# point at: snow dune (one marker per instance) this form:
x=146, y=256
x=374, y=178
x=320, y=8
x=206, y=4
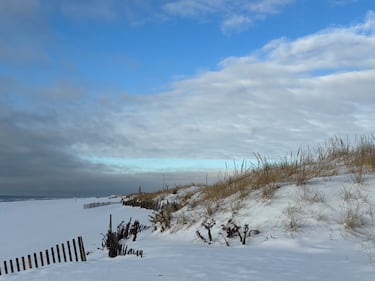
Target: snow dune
x=320, y=250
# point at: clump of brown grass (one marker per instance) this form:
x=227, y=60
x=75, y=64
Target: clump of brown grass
x=163, y=217
x=358, y=215
x=265, y=173
x=361, y=159
x=235, y=206
x=211, y=207
x=143, y=200
x=308, y=195
x=352, y=194
x=293, y=221
x=335, y=150
x=301, y=164
x=353, y=218
x=151, y=200
x=268, y=191
x=239, y=182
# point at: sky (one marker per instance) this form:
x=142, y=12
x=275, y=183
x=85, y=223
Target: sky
x=101, y=96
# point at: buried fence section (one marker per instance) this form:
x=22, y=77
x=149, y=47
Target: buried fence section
x=45, y=258
x=99, y=204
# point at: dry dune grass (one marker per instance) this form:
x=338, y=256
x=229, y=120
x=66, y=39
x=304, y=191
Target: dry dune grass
x=336, y=156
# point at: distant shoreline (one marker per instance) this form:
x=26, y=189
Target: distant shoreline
x=15, y=198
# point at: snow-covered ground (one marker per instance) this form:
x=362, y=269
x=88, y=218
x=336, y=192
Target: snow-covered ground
x=323, y=248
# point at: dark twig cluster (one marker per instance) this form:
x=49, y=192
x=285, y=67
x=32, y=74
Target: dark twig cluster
x=229, y=230
x=208, y=224
x=114, y=241
x=130, y=251
x=125, y=231
x=233, y=230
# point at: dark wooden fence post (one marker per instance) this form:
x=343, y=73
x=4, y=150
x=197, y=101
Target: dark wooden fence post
x=63, y=250
x=47, y=257
x=35, y=261
x=75, y=249
x=5, y=267
x=69, y=251
x=53, y=255
x=58, y=253
x=29, y=260
x=41, y=258
x=110, y=223
x=23, y=263
x=81, y=248
x=11, y=266
x=17, y=264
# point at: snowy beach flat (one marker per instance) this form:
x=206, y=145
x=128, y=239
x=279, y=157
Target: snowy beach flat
x=319, y=251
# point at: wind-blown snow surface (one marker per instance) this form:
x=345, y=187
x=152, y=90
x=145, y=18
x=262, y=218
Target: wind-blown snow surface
x=316, y=252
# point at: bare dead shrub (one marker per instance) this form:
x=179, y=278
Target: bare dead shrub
x=293, y=218
x=353, y=218
x=311, y=196
x=207, y=224
x=113, y=241
x=357, y=174
x=162, y=218
x=347, y=194
x=211, y=207
x=232, y=230
x=235, y=206
x=353, y=195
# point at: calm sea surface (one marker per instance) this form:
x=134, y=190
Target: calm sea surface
x=11, y=198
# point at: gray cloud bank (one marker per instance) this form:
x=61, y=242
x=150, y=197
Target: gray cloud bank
x=287, y=94
x=37, y=157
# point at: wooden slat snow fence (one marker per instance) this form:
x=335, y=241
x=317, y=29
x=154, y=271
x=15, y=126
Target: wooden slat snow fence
x=98, y=204
x=60, y=253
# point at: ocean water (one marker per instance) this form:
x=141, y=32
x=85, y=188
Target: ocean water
x=12, y=198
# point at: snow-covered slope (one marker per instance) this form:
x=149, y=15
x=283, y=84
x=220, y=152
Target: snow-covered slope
x=322, y=231
x=330, y=206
